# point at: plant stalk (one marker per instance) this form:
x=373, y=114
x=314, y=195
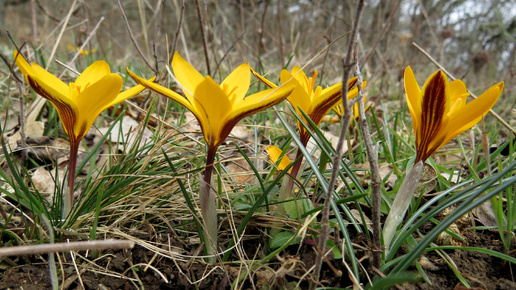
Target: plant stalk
x=72, y=165
x=208, y=208
x=286, y=189
x=401, y=203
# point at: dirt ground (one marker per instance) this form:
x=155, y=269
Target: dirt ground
x=114, y=270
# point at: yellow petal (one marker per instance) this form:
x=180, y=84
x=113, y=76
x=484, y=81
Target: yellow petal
x=186, y=74
x=298, y=75
x=274, y=154
x=92, y=74
x=466, y=117
x=237, y=83
x=162, y=90
x=259, y=101
x=299, y=98
x=212, y=107
x=263, y=79
x=129, y=93
x=22, y=64
x=54, y=86
x=253, y=104
x=413, y=95
x=95, y=99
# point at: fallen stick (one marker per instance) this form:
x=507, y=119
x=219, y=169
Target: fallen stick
x=65, y=247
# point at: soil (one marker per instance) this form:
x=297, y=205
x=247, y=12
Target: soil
x=114, y=270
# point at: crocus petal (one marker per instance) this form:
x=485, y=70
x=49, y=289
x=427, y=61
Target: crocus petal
x=95, y=99
x=466, y=117
x=298, y=75
x=162, y=90
x=328, y=98
x=46, y=81
x=413, y=95
x=212, y=107
x=92, y=74
x=253, y=104
x=263, y=79
x=64, y=106
x=22, y=63
x=128, y=93
x=186, y=74
x=433, y=107
x=49, y=88
x=259, y=101
x=275, y=153
x=237, y=83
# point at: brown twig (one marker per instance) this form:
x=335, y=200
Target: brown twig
x=347, y=67
x=205, y=45
x=176, y=36
x=34, y=21
x=227, y=52
x=65, y=247
x=372, y=155
x=386, y=25
x=132, y=37
x=261, y=47
x=454, y=78
x=328, y=38
x=280, y=35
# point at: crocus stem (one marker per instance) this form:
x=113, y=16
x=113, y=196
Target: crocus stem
x=285, y=194
x=208, y=208
x=286, y=190
x=401, y=203
x=72, y=164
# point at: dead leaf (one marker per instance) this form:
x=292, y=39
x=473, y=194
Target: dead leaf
x=44, y=182
x=384, y=170
x=428, y=180
x=128, y=133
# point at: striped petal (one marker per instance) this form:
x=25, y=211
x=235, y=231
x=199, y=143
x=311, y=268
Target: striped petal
x=433, y=107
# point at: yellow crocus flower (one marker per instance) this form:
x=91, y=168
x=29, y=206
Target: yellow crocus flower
x=218, y=108
x=440, y=112
x=78, y=103
x=314, y=101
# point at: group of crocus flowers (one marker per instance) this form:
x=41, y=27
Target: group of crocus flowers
x=439, y=111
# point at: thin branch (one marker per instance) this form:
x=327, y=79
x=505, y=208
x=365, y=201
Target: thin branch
x=347, y=67
x=372, y=155
x=133, y=39
x=386, y=25
x=205, y=45
x=176, y=36
x=470, y=93
x=65, y=247
x=227, y=52
x=86, y=41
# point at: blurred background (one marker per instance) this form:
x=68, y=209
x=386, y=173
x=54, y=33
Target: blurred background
x=473, y=40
